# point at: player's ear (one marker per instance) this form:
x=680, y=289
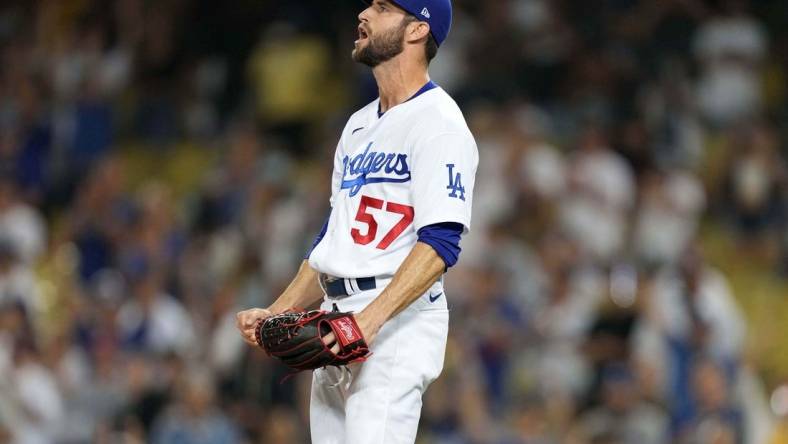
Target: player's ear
x=417, y=30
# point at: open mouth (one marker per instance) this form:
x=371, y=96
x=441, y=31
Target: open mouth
x=362, y=34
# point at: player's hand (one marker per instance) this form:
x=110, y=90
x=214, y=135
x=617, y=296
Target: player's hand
x=246, y=321
x=331, y=341
x=367, y=331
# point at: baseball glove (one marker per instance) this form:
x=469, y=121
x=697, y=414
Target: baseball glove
x=296, y=338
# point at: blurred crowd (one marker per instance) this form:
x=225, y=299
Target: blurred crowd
x=584, y=307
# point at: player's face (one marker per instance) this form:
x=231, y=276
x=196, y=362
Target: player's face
x=381, y=34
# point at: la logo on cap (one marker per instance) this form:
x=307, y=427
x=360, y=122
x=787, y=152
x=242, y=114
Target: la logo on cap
x=425, y=12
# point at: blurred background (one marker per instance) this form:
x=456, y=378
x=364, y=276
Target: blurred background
x=164, y=164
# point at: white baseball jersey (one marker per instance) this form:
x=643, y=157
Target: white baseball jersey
x=394, y=174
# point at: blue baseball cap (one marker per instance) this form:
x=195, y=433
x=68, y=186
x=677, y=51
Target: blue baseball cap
x=435, y=12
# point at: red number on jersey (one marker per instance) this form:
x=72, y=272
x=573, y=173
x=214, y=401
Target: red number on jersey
x=364, y=217
x=407, y=217
x=372, y=225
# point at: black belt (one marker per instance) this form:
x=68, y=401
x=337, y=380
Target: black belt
x=343, y=287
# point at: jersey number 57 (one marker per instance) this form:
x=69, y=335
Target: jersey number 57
x=372, y=225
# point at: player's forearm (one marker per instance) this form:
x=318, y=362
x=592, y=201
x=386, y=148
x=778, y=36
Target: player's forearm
x=303, y=291
x=415, y=276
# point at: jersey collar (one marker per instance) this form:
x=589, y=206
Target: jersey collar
x=427, y=86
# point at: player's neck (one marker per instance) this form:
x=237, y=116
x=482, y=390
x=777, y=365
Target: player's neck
x=398, y=80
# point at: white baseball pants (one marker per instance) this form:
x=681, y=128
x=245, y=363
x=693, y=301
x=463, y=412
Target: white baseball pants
x=379, y=401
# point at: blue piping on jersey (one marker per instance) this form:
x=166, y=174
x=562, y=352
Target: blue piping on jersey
x=427, y=86
x=319, y=237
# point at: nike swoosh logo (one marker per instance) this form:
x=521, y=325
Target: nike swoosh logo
x=436, y=297
x=356, y=130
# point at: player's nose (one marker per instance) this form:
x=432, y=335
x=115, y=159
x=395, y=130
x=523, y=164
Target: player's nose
x=362, y=16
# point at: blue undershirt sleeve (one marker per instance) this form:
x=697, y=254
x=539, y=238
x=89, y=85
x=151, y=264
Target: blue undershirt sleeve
x=444, y=238
x=318, y=238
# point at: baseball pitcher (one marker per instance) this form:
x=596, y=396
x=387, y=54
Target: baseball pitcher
x=401, y=195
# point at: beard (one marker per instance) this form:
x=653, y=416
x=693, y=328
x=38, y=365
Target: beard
x=381, y=48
